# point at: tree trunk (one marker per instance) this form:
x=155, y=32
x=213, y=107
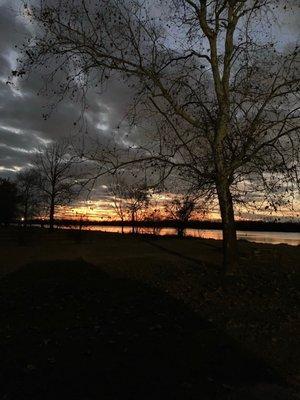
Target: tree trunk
x=228, y=226
x=51, y=215
x=26, y=214
x=132, y=222
x=180, y=230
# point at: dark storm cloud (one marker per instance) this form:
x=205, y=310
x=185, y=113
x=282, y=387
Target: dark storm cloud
x=23, y=103
x=12, y=158
x=27, y=141
x=22, y=127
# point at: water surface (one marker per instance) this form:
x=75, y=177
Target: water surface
x=290, y=238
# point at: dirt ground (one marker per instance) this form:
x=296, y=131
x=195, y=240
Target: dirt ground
x=224, y=337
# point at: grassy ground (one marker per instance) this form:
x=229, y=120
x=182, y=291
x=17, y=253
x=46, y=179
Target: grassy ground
x=145, y=318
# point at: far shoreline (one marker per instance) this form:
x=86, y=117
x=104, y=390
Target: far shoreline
x=259, y=226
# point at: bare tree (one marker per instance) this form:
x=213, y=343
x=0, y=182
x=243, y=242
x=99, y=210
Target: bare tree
x=129, y=200
x=116, y=191
x=225, y=97
x=30, y=202
x=155, y=217
x=136, y=200
x=182, y=208
x=58, y=182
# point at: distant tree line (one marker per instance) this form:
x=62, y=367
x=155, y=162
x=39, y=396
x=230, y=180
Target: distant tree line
x=49, y=181
x=56, y=176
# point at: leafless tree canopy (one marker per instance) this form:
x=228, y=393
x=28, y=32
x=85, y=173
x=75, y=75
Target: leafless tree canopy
x=129, y=200
x=182, y=208
x=57, y=181
x=30, y=197
x=222, y=99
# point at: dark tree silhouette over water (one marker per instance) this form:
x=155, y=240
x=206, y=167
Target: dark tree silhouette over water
x=223, y=97
x=128, y=200
x=182, y=209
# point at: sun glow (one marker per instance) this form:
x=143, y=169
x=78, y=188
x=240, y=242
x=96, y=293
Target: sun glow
x=103, y=210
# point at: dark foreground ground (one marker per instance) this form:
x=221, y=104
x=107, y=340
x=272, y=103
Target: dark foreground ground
x=110, y=317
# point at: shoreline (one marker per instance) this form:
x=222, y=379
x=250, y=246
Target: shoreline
x=242, y=235
x=193, y=224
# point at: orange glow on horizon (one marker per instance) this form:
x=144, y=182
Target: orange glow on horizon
x=102, y=210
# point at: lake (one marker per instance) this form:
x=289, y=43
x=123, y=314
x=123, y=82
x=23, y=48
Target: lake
x=290, y=238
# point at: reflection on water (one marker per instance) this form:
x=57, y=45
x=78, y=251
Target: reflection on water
x=291, y=238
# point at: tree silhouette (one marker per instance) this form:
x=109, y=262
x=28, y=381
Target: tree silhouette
x=30, y=197
x=223, y=96
x=57, y=180
x=128, y=200
x=116, y=192
x=182, y=208
x=8, y=201
x=136, y=199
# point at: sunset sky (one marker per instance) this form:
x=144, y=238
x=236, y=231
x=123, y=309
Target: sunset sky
x=22, y=104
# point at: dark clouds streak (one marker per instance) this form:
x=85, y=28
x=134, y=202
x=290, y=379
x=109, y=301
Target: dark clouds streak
x=23, y=101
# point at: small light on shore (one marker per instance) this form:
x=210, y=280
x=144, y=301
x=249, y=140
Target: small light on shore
x=22, y=219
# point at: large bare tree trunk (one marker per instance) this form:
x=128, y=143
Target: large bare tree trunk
x=228, y=226
x=51, y=215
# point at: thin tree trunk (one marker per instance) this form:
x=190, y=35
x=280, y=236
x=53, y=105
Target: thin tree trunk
x=228, y=226
x=51, y=215
x=132, y=222
x=26, y=214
